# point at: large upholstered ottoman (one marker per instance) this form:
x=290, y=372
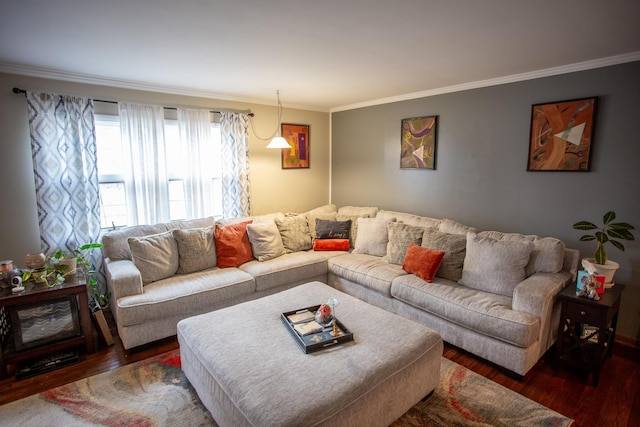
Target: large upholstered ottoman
x=248, y=371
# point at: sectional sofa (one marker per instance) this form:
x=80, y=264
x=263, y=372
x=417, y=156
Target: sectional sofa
x=488, y=292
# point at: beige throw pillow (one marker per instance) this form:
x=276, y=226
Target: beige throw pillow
x=156, y=256
x=265, y=239
x=196, y=249
x=400, y=236
x=373, y=237
x=547, y=255
x=495, y=266
x=294, y=232
x=353, y=234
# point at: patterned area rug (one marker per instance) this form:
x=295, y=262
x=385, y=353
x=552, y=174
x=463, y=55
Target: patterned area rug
x=155, y=392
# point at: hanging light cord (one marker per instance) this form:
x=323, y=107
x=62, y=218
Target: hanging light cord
x=277, y=131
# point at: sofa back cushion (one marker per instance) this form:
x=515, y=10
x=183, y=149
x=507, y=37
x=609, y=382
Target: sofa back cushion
x=454, y=227
x=418, y=221
x=196, y=249
x=455, y=248
x=358, y=211
x=373, y=236
x=547, y=255
x=115, y=245
x=495, y=266
x=294, y=232
x=400, y=236
x=233, y=247
x=265, y=239
x=156, y=256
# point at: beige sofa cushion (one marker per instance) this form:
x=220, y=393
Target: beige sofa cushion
x=358, y=211
x=495, y=266
x=265, y=239
x=400, y=236
x=196, y=249
x=294, y=232
x=418, y=221
x=454, y=227
x=156, y=256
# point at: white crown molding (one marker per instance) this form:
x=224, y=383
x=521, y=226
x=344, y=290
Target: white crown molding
x=580, y=66
x=46, y=73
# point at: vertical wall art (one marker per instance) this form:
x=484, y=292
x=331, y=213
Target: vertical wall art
x=561, y=135
x=297, y=157
x=418, y=143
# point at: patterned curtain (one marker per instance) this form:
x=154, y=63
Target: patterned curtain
x=63, y=145
x=196, y=142
x=236, y=201
x=142, y=132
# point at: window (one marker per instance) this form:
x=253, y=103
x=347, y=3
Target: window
x=112, y=171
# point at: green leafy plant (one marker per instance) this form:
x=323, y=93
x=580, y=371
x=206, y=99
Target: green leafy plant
x=83, y=259
x=56, y=272
x=607, y=233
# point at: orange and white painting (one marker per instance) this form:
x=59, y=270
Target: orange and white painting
x=561, y=135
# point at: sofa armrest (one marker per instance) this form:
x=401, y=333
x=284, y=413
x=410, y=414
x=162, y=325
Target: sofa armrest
x=123, y=278
x=536, y=295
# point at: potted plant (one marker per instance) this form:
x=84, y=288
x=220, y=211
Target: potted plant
x=605, y=234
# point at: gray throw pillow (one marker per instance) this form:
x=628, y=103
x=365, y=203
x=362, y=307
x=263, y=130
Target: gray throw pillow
x=495, y=266
x=454, y=247
x=196, y=249
x=313, y=217
x=328, y=229
x=400, y=236
x=156, y=256
x=294, y=232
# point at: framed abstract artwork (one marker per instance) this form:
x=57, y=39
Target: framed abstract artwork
x=561, y=135
x=296, y=157
x=418, y=143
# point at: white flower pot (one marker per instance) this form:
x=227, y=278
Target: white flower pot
x=607, y=270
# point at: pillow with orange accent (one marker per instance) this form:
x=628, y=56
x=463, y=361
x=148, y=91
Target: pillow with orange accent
x=233, y=246
x=423, y=262
x=331, y=245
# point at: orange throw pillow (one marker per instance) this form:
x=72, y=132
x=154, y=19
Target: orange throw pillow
x=423, y=262
x=233, y=247
x=331, y=245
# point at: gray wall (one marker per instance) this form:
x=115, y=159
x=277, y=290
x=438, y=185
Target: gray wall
x=481, y=177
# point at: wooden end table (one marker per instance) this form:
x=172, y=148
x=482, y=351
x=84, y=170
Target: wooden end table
x=587, y=329
x=38, y=292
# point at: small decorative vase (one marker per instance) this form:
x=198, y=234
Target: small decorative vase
x=33, y=261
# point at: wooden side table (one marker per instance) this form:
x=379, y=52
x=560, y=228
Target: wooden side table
x=40, y=293
x=587, y=329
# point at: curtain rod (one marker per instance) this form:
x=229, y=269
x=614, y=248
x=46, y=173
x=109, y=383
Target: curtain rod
x=18, y=91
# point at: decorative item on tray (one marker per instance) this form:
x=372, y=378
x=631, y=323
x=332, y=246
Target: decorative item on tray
x=317, y=327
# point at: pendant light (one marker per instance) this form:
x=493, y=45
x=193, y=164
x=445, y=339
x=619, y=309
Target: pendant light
x=279, y=141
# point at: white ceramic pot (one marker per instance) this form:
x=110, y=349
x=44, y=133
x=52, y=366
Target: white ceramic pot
x=607, y=270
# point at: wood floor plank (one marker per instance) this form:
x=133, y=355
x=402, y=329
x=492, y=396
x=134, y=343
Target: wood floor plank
x=615, y=402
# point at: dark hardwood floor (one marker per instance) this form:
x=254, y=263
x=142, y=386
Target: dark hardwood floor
x=615, y=402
